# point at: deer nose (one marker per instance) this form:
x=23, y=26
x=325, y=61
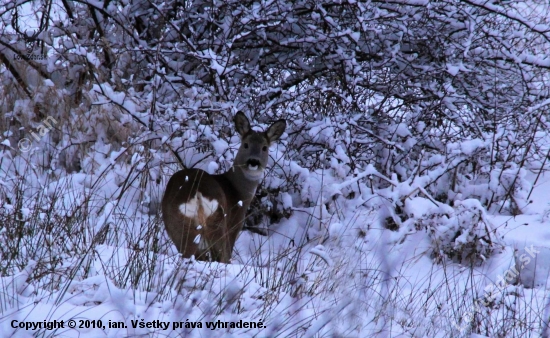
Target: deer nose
x=253, y=162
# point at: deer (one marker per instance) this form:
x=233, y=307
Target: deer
x=203, y=213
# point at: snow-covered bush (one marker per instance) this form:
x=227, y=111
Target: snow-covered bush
x=463, y=233
x=387, y=102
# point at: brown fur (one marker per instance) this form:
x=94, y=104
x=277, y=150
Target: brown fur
x=220, y=229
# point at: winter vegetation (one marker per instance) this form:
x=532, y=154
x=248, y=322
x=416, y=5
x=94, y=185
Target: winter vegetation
x=407, y=196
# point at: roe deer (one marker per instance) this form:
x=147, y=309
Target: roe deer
x=204, y=213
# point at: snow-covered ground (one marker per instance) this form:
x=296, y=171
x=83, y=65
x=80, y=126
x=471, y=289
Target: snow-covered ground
x=397, y=203
x=317, y=274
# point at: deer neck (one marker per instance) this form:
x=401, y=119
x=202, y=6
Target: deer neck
x=245, y=188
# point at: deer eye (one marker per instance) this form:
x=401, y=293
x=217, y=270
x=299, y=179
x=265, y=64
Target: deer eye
x=264, y=148
x=246, y=145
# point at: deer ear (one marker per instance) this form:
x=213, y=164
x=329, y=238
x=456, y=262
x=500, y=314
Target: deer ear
x=241, y=123
x=275, y=131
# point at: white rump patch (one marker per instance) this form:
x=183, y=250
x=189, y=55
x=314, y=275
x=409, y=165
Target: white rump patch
x=191, y=208
x=210, y=206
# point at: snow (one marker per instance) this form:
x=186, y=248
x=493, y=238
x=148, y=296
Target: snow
x=347, y=268
x=397, y=204
x=287, y=200
x=452, y=69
